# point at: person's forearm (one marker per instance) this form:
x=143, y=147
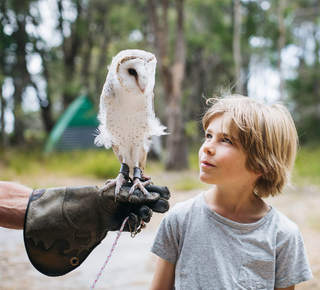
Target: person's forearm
x=14, y=199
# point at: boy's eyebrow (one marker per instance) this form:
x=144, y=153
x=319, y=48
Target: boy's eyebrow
x=224, y=134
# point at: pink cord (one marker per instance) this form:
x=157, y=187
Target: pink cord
x=110, y=253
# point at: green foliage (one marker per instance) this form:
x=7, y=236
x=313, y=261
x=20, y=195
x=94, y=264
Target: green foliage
x=93, y=31
x=305, y=91
x=98, y=163
x=193, y=157
x=307, y=166
x=191, y=128
x=102, y=164
x=92, y=163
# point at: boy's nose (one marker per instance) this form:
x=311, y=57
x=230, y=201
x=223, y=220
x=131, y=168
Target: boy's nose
x=209, y=149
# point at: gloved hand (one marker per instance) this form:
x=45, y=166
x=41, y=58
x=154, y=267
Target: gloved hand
x=63, y=225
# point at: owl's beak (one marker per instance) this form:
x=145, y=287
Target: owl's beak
x=142, y=83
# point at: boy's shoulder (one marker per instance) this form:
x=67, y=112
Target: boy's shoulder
x=283, y=224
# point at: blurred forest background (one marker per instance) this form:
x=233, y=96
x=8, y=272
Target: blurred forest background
x=54, y=50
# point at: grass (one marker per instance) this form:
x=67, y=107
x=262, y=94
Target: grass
x=91, y=163
x=307, y=166
x=103, y=164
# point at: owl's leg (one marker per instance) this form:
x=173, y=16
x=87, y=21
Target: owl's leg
x=138, y=183
x=119, y=181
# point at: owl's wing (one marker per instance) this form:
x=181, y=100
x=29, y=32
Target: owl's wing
x=151, y=105
x=103, y=137
x=155, y=126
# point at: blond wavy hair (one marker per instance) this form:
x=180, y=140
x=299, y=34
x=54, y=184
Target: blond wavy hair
x=267, y=135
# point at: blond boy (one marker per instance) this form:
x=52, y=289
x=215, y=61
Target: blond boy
x=228, y=237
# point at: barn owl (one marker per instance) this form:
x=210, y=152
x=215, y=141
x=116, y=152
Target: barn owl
x=126, y=115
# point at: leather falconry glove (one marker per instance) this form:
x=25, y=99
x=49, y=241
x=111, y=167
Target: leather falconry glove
x=63, y=225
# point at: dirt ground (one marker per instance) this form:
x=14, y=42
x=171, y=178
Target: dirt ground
x=131, y=266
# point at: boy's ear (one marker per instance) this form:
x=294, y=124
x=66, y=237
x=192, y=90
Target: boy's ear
x=260, y=174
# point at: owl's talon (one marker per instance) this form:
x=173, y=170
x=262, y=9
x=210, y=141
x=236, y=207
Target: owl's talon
x=118, y=182
x=110, y=183
x=138, y=184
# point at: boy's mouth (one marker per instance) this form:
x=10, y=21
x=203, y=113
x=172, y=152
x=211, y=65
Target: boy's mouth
x=205, y=163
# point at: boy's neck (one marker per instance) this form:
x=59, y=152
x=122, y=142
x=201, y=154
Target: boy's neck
x=241, y=207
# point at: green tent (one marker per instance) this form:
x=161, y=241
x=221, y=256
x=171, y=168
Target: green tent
x=75, y=129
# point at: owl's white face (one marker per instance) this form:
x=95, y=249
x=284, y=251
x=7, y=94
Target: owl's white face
x=137, y=73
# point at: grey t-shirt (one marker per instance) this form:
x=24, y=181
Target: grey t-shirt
x=212, y=252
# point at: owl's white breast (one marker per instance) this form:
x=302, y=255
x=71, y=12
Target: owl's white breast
x=127, y=122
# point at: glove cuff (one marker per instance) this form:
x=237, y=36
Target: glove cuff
x=54, y=242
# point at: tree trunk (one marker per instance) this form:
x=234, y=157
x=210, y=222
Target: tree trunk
x=18, y=113
x=71, y=47
x=4, y=137
x=281, y=43
x=176, y=141
x=237, y=45
x=46, y=105
x=103, y=38
x=315, y=83
x=172, y=75
x=20, y=81
x=47, y=117
x=160, y=31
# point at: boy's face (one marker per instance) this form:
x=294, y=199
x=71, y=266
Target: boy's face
x=221, y=161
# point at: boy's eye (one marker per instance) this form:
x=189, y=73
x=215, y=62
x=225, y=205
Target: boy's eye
x=207, y=136
x=227, y=140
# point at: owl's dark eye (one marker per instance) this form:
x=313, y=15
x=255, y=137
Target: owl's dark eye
x=132, y=71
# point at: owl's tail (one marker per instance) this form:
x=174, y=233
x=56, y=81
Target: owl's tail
x=156, y=128
x=102, y=138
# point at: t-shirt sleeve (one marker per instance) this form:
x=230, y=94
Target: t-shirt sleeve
x=166, y=242
x=292, y=266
